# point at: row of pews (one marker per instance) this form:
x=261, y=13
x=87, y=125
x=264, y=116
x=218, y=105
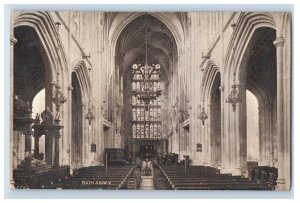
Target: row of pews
x=159, y=179
x=134, y=180
x=99, y=177
x=206, y=178
x=264, y=174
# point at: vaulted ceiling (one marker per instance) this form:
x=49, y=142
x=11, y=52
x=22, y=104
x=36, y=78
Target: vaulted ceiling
x=29, y=72
x=262, y=62
x=131, y=45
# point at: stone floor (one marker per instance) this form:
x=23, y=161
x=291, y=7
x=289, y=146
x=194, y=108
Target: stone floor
x=147, y=183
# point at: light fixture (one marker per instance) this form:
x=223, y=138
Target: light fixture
x=57, y=24
x=59, y=99
x=148, y=90
x=201, y=113
x=207, y=56
x=87, y=57
x=234, y=96
x=21, y=109
x=90, y=116
x=233, y=24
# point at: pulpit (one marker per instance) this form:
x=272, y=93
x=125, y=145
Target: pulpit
x=22, y=123
x=50, y=128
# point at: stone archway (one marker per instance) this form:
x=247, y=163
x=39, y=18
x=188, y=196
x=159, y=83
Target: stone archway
x=213, y=130
x=215, y=121
x=130, y=49
x=77, y=124
x=239, y=59
x=31, y=74
x=35, y=33
x=50, y=44
x=81, y=136
x=259, y=76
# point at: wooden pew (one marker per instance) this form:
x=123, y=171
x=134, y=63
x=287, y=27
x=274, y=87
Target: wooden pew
x=160, y=182
x=264, y=174
x=115, y=177
x=208, y=178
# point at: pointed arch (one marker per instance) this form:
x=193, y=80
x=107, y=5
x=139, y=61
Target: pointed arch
x=209, y=74
x=246, y=25
x=81, y=72
x=44, y=25
x=175, y=28
x=243, y=67
x=211, y=82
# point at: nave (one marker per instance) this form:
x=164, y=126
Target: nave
x=204, y=96
x=153, y=176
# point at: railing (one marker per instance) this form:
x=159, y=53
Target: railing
x=124, y=182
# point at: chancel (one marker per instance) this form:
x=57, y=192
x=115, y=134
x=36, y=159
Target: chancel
x=164, y=100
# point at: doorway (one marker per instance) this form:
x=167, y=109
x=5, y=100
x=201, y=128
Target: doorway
x=147, y=151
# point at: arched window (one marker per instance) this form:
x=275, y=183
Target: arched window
x=146, y=118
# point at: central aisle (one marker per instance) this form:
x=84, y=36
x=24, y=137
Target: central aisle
x=147, y=182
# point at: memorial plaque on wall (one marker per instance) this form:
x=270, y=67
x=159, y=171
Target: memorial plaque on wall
x=93, y=147
x=199, y=147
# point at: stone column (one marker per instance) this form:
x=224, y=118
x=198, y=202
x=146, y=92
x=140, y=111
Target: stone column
x=56, y=149
x=67, y=139
x=48, y=148
x=279, y=43
x=270, y=135
x=85, y=145
x=234, y=154
x=13, y=41
x=170, y=150
x=265, y=129
x=48, y=134
x=28, y=133
x=37, y=136
x=165, y=146
x=227, y=117
x=241, y=133
x=261, y=134
x=207, y=144
x=234, y=141
x=222, y=124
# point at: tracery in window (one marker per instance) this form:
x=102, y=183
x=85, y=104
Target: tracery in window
x=146, y=117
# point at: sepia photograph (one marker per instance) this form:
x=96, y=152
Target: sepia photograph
x=150, y=100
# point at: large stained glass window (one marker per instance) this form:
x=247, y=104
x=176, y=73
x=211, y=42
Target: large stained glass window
x=146, y=118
